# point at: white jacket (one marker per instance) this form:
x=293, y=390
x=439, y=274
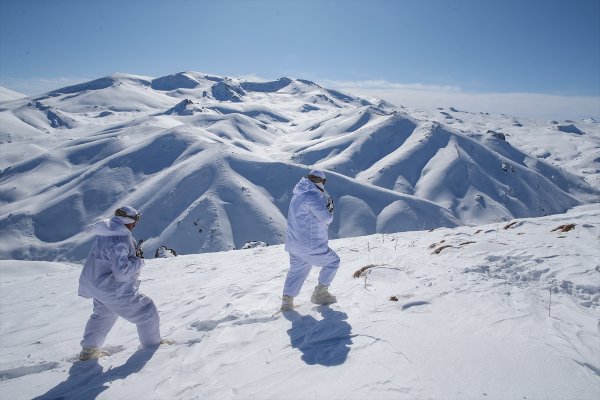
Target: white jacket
x=111, y=268
x=308, y=220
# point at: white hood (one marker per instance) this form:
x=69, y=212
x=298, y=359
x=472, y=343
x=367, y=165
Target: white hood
x=110, y=227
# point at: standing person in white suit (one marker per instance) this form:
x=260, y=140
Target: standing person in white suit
x=110, y=278
x=309, y=216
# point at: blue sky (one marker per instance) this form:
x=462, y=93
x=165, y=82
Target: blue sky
x=468, y=47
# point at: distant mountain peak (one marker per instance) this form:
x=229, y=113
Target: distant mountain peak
x=185, y=107
x=181, y=80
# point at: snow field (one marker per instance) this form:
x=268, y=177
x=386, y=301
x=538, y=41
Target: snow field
x=499, y=313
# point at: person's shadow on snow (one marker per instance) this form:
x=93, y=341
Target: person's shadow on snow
x=325, y=342
x=87, y=379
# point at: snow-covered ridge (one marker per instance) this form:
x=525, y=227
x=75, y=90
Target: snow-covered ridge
x=9, y=95
x=501, y=311
x=211, y=162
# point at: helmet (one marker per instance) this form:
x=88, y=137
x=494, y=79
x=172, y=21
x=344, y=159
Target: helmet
x=317, y=176
x=127, y=214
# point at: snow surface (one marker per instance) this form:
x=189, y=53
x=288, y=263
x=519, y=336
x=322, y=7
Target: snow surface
x=211, y=162
x=507, y=310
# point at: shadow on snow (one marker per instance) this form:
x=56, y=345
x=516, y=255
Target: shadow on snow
x=324, y=342
x=87, y=379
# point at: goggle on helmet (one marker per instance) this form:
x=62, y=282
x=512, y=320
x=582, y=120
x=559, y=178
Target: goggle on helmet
x=122, y=213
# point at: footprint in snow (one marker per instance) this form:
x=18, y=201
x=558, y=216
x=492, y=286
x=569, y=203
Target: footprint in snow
x=412, y=304
x=27, y=370
x=209, y=325
x=109, y=350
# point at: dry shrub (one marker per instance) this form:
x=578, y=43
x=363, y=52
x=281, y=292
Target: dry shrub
x=435, y=244
x=393, y=298
x=510, y=225
x=564, y=228
x=439, y=249
x=359, y=272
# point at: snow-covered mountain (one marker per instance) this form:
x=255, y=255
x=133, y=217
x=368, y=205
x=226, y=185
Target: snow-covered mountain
x=504, y=309
x=500, y=311
x=211, y=162
x=8, y=95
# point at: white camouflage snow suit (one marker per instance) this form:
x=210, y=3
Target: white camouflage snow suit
x=307, y=238
x=110, y=277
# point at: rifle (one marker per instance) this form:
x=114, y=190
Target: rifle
x=139, y=252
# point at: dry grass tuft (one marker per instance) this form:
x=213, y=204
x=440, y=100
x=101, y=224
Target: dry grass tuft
x=564, y=228
x=393, y=298
x=431, y=246
x=360, y=272
x=439, y=249
x=510, y=225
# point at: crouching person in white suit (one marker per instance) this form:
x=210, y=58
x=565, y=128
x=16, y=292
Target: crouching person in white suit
x=309, y=216
x=110, y=278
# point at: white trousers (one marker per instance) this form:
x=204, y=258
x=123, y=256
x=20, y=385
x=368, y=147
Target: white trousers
x=300, y=266
x=137, y=309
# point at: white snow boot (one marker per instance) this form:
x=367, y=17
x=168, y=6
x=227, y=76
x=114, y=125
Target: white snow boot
x=322, y=296
x=92, y=352
x=287, y=303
